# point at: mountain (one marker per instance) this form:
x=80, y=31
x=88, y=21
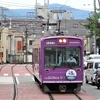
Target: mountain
x=23, y=13
x=76, y=13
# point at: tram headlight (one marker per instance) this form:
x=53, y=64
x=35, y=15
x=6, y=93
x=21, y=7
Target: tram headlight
x=62, y=41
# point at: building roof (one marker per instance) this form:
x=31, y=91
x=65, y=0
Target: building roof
x=12, y=32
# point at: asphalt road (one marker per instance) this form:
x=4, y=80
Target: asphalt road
x=91, y=89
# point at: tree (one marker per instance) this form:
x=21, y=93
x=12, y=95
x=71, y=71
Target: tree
x=91, y=25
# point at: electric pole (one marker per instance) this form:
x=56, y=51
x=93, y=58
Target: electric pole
x=26, y=43
x=2, y=13
x=95, y=48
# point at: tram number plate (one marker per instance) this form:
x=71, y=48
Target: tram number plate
x=62, y=90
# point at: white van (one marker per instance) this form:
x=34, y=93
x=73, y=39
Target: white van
x=93, y=56
x=92, y=65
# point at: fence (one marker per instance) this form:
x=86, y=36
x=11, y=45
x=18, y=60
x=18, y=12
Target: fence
x=17, y=59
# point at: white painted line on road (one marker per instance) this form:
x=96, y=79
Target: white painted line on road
x=6, y=80
x=33, y=79
x=17, y=80
x=5, y=74
x=16, y=74
x=27, y=74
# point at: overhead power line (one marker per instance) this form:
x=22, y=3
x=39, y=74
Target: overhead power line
x=15, y=4
x=63, y=5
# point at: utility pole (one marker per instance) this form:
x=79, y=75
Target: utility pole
x=48, y=23
x=59, y=31
x=36, y=9
x=59, y=27
x=2, y=13
x=99, y=4
x=95, y=48
x=26, y=44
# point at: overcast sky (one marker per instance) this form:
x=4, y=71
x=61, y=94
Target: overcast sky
x=81, y=4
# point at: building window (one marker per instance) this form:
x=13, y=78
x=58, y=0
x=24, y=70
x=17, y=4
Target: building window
x=75, y=25
x=30, y=42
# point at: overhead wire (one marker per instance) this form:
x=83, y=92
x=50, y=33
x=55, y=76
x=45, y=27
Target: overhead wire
x=15, y=4
x=63, y=5
x=26, y=5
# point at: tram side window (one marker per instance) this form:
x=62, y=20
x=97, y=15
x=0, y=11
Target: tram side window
x=36, y=55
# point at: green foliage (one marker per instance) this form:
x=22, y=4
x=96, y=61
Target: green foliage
x=91, y=25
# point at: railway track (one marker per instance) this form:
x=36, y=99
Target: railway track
x=15, y=96
x=77, y=96
x=2, y=67
x=32, y=89
x=51, y=97
x=14, y=85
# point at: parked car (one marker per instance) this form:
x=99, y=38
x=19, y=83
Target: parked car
x=93, y=56
x=85, y=62
x=92, y=65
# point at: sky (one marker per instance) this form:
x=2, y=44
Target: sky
x=80, y=4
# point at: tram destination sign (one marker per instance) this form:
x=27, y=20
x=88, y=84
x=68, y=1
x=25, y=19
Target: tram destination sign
x=50, y=42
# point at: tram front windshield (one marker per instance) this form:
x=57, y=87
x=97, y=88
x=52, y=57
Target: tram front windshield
x=57, y=57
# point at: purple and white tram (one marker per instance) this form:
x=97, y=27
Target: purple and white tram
x=54, y=73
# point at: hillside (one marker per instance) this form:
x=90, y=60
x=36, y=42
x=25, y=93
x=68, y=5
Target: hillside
x=22, y=13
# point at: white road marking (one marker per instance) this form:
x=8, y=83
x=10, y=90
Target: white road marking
x=6, y=80
x=33, y=79
x=16, y=74
x=27, y=74
x=5, y=74
x=17, y=80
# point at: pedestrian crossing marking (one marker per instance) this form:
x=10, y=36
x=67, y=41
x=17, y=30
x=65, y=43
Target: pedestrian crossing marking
x=6, y=80
x=5, y=74
x=27, y=74
x=17, y=80
x=16, y=74
x=33, y=79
